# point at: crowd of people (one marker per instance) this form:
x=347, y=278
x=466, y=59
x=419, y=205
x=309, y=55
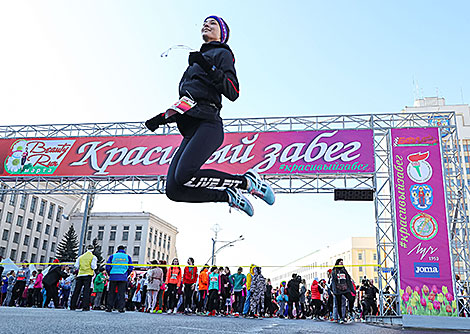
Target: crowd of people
x=175, y=288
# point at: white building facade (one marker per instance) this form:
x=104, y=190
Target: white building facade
x=145, y=236
x=31, y=226
x=358, y=253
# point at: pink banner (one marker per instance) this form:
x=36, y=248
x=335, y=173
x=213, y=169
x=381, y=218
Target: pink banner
x=424, y=262
x=306, y=152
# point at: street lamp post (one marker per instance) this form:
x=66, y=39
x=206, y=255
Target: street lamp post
x=216, y=230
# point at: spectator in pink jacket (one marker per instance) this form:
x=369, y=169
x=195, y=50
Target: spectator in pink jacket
x=37, y=297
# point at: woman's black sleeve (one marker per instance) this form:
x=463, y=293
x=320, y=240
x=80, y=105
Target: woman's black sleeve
x=224, y=77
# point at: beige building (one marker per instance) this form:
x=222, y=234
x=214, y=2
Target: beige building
x=146, y=236
x=31, y=226
x=359, y=255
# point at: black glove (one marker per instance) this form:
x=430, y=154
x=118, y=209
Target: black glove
x=198, y=58
x=153, y=123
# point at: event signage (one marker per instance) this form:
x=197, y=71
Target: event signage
x=304, y=152
x=424, y=260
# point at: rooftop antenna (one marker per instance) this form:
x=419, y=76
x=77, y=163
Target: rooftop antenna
x=461, y=95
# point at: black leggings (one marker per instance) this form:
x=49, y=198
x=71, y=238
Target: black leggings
x=339, y=305
x=186, y=181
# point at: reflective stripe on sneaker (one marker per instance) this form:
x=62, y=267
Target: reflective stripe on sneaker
x=238, y=201
x=259, y=188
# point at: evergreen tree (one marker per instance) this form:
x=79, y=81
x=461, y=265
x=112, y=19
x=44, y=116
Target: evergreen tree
x=67, y=250
x=97, y=251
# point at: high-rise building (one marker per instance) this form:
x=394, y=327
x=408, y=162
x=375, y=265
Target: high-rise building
x=31, y=226
x=146, y=236
x=358, y=253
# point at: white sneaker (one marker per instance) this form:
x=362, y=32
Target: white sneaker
x=169, y=311
x=175, y=311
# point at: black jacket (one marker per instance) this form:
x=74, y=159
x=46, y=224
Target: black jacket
x=207, y=88
x=53, y=276
x=293, y=290
x=341, y=281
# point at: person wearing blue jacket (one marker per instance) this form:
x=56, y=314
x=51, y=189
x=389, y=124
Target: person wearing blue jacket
x=119, y=266
x=238, y=280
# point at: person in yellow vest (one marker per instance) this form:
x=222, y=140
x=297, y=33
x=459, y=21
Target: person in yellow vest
x=86, y=264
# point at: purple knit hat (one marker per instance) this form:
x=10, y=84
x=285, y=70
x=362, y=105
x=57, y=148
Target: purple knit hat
x=224, y=30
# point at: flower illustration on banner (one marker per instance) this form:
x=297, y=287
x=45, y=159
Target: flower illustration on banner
x=438, y=302
x=421, y=196
x=423, y=226
x=419, y=170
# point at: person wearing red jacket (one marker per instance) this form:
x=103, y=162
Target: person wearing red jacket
x=317, y=290
x=173, y=282
x=189, y=279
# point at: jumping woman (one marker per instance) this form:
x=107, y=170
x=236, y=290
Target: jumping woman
x=210, y=74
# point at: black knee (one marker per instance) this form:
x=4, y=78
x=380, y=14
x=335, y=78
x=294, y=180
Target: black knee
x=182, y=177
x=173, y=193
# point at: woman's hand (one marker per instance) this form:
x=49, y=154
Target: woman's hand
x=198, y=58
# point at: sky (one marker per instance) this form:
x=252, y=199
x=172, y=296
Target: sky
x=99, y=61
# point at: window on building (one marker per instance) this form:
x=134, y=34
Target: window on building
x=19, y=221
x=5, y=235
x=376, y=280
x=110, y=250
x=2, y=251
x=56, y=231
x=148, y=252
x=360, y=269
x=164, y=241
x=375, y=256
x=100, y=232
x=48, y=229
x=51, y=259
x=359, y=256
x=50, y=214
x=43, y=259
x=466, y=158
x=9, y=218
x=138, y=233
x=136, y=250
x=167, y=258
x=13, y=255
x=150, y=236
x=160, y=240
x=42, y=208
x=26, y=240
x=44, y=245
x=38, y=227
x=33, y=258
x=13, y=199
x=375, y=269
x=36, y=243
x=23, y=256
x=155, y=238
x=125, y=233
x=16, y=237
x=29, y=225
x=153, y=254
x=3, y=195
x=90, y=229
x=112, y=235
x=34, y=201
x=169, y=238
x=52, y=246
x=158, y=256
x=60, y=211
x=24, y=200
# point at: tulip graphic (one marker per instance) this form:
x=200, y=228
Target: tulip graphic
x=444, y=290
x=409, y=310
x=432, y=296
x=408, y=290
x=430, y=306
x=454, y=304
x=440, y=297
x=449, y=296
x=425, y=289
x=434, y=289
x=418, y=290
x=405, y=297
x=413, y=302
x=448, y=309
x=423, y=302
x=437, y=305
